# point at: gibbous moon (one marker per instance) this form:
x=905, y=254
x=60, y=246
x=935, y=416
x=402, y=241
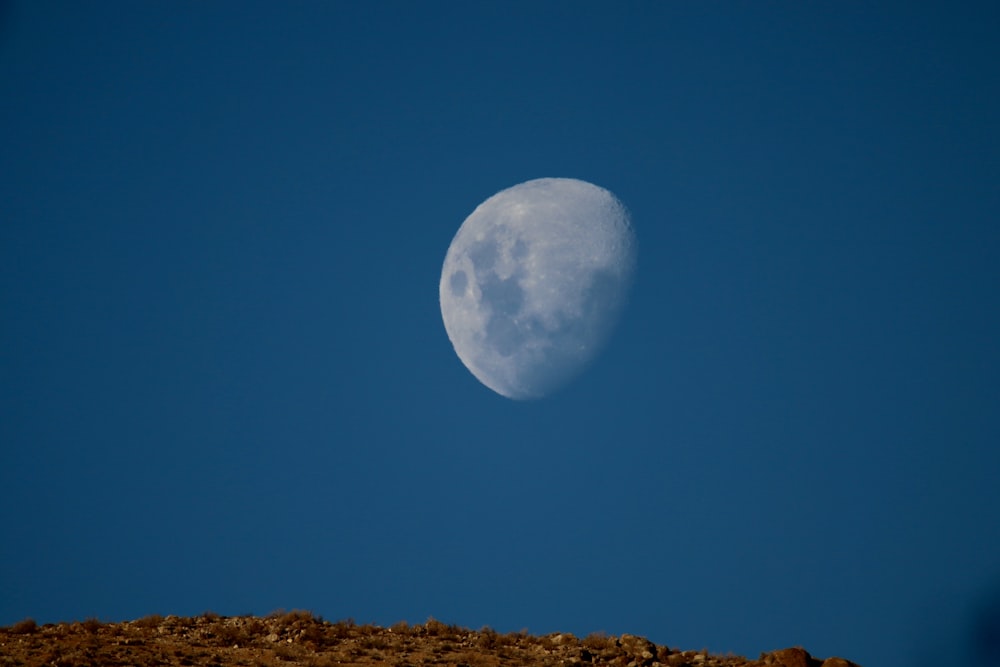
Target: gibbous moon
x=534, y=282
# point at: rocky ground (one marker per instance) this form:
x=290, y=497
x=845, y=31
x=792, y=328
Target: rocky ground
x=299, y=638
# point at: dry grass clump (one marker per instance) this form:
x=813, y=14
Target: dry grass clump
x=599, y=641
x=151, y=621
x=436, y=628
x=488, y=638
x=25, y=627
x=232, y=634
x=401, y=628
x=293, y=616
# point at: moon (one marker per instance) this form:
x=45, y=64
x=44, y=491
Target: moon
x=534, y=283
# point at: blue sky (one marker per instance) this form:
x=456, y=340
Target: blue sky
x=225, y=383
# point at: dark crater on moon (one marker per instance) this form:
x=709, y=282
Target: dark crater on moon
x=508, y=330
x=520, y=249
x=458, y=282
x=484, y=256
x=505, y=298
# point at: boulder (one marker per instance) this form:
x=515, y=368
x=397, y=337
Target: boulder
x=790, y=657
x=838, y=662
x=640, y=648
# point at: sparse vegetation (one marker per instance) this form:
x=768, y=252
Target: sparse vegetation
x=434, y=627
x=341, y=629
x=488, y=638
x=316, y=634
x=231, y=635
x=25, y=627
x=598, y=641
x=290, y=617
x=300, y=639
x=151, y=621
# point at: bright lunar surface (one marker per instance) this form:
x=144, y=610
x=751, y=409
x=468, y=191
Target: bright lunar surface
x=534, y=282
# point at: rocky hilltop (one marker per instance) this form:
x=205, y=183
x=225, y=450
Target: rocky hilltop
x=299, y=638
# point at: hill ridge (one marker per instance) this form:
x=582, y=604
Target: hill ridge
x=298, y=638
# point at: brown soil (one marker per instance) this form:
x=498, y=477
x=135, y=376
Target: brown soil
x=299, y=638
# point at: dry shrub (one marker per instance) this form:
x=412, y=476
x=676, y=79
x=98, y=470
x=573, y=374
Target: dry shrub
x=25, y=627
x=514, y=638
x=400, y=628
x=434, y=627
x=92, y=625
x=294, y=615
x=341, y=629
x=151, y=621
x=488, y=638
x=315, y=633
x=598, y=641
x=228, y=635
x=253, y=626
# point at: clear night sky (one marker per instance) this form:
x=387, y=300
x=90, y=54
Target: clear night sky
x=225, y=383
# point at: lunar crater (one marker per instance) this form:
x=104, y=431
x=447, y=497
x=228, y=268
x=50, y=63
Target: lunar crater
x=459, y=281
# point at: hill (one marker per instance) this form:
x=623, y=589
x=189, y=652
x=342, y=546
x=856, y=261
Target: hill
x=299, y=638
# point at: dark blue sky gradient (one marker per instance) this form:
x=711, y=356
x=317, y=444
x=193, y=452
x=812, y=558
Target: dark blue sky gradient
x=225, y=384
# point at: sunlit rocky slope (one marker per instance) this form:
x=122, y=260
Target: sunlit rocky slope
x=299, y=638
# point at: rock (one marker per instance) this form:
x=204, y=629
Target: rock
x=790, y=657
x=838, y=662
x=640, y=648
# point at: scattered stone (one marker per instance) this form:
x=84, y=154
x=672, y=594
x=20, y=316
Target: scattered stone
x=640, y=647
